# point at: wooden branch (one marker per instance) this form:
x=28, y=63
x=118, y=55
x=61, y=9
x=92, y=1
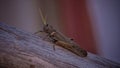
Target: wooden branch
x=20, y=49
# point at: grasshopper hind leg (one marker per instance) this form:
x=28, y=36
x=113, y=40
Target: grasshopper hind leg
x=79, y=51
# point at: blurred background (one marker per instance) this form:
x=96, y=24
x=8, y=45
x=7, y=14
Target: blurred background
x=94, y=24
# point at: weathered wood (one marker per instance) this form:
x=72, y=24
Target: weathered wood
x=20, y=49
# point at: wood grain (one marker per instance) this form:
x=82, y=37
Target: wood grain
x=21, y=49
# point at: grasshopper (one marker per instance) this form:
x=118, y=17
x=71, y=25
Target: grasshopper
x=61, y=40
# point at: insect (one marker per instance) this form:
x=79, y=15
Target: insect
x=61, y=40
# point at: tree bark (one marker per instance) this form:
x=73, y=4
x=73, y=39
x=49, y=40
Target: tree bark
x=20, y=49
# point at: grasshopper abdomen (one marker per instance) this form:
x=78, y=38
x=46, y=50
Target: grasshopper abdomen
x=73, y=48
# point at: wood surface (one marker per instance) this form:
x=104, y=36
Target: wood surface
x=21, y=49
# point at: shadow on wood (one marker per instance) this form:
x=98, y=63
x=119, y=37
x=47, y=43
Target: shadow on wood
x=20, y=49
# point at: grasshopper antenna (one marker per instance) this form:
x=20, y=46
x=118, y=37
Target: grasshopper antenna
x=43, y=18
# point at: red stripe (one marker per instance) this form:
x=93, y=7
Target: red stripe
x=77, y=23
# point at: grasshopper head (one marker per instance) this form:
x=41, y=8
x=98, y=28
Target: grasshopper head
x=48, y=29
